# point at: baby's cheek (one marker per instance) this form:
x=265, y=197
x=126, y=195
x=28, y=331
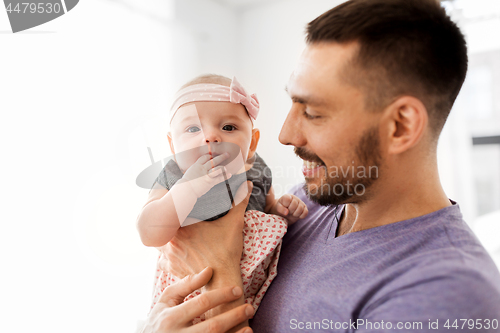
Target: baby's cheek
x=245, y=149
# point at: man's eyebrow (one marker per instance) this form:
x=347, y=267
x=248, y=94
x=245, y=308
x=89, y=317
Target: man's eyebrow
x=305, y=99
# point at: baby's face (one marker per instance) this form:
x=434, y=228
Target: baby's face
x=225, y=126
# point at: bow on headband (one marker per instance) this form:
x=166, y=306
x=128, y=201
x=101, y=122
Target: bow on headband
x=238, y=94
x=216, y=93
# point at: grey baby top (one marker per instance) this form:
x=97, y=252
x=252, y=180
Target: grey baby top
x=217, y=201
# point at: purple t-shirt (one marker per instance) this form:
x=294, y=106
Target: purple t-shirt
x=415, y=276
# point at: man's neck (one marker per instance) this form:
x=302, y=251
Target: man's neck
x=414, y=197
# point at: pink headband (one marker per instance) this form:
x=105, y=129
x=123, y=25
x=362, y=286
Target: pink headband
x=216, y=93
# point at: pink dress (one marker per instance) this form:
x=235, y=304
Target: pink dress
x=262, y=237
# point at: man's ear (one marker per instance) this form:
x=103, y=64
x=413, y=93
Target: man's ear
x=171, y=142
x=253, y=143
x=407, y=123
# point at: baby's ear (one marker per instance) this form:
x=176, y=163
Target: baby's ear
x=171, y=142
x=254, y=143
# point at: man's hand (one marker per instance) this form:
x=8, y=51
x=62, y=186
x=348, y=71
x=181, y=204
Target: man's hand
x=217, y=244
x=171, y=315
x=290, y=207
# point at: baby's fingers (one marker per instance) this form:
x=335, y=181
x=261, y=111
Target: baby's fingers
x=305, y=212
x=204, y=159
x=219, y=174
x=294, y=204
x=280, y=209
x=218, y=171
x=212, y=163
x=299, y=211
x=285, y=200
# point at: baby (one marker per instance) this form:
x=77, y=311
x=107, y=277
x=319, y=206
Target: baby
x=214, y=145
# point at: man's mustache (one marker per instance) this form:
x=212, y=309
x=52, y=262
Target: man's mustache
x=305, y=155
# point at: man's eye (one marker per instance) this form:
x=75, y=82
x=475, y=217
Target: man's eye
x=309, y=116
x=193, y=129
x=228, y=128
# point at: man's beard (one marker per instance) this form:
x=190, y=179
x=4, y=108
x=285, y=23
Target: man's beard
x=342, y=187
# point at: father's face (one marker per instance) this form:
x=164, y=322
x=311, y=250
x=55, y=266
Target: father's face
x=330, y=129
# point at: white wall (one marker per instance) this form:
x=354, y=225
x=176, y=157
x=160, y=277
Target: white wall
x=73, y=93
x=273, y=38
x=205, y=39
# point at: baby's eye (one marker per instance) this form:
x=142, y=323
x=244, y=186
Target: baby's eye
x=229, y=128
x=193, y=129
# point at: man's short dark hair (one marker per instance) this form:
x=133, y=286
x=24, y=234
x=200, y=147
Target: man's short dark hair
x=406, y=47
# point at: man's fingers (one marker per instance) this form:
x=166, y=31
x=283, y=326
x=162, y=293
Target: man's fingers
x=243, y=195
x=175, y=294
x=227, y=320
x=206, y=301
x=163, y=263
x=245, y=330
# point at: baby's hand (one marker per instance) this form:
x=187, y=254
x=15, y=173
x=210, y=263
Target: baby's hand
x=290, y=207
x=204, y=173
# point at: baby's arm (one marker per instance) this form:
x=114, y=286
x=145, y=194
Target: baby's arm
x=161, y=217
x=165, y=211
x=288, y=206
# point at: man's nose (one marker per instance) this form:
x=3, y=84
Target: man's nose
x=291, y=132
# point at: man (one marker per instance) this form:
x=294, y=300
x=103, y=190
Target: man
x=383, y=248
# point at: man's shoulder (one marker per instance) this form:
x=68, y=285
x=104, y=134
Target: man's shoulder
x=439, y=268
x=439, y=290
x=441, y=244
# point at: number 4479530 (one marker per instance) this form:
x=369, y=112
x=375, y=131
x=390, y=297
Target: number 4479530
x=471, y=324
x=34, y=8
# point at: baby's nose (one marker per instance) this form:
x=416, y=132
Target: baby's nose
x=214, y=140
x=212, y=137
